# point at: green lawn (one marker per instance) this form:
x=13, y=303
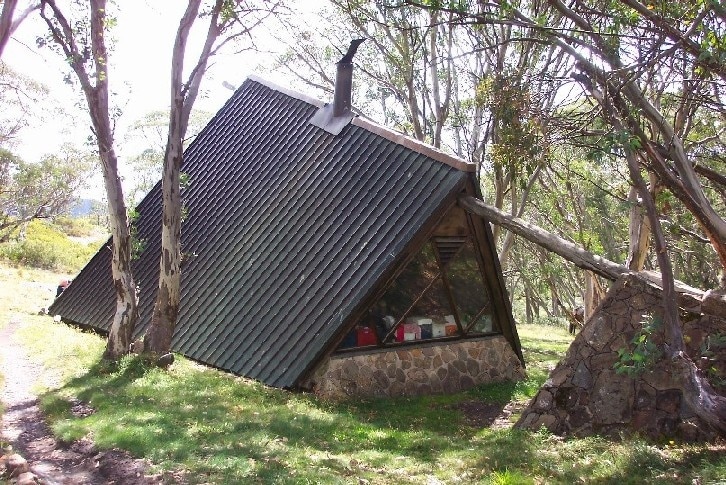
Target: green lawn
x=224, y=429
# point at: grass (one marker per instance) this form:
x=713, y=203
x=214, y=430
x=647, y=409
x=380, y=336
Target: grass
x=23, y=292
x=217, y=428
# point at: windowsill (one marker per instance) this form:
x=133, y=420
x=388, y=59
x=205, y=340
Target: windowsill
x=368, y=349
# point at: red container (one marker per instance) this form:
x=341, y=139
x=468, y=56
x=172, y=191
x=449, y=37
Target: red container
x=365, y=336
x=399, y=333
x=407, y=332
x=451, y=329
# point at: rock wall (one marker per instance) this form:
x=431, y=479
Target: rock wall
x=585, y=395
x=425, y=369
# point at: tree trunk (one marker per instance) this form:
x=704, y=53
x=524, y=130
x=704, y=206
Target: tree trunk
x=518, y=206
x=568, y=250
x=6, y=23
x=528, y=305
x=126, y=315
x=166, y=308
x=639, y=232
x=697, y=392
x=593, y=294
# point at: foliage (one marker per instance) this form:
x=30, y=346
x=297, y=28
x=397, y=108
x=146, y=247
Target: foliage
x=40, y=190
x=643, y=351
x=150, y=132
x=46, y=246
x=81, y=227
x=519, y=145
x=137, y=244
x=19, y=96
x=709, y=347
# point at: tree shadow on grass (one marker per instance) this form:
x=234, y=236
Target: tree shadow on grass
x=230, y=429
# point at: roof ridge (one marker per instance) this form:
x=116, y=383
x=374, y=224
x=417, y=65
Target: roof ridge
x=376, y=128
x=288, y=91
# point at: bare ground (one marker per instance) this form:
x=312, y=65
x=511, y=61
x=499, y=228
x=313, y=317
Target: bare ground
x=478, y=414
x=23, y=426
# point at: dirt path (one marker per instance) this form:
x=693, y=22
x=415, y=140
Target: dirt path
x=23, y=426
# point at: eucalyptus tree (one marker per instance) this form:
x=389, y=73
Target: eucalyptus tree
x=20, y=97
x=630, y=56
x=78, y=30
x=463, y=88
x=407, y=63
x=40, y=190
x=150, y=132
x=10, y=20
x=227, y=21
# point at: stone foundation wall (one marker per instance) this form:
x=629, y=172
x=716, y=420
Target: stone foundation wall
x=585, y=395
x=411, y=371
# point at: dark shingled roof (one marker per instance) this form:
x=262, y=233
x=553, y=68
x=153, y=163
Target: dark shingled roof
x=288, y=230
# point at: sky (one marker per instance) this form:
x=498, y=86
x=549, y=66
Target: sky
x=139, y=73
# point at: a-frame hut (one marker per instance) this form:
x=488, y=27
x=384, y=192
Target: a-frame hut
x=322, y=251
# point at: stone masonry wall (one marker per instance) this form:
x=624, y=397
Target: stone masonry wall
x=410, y=371
x=584, y=394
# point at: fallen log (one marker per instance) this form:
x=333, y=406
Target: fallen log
x=689, y=297
x=570, y=251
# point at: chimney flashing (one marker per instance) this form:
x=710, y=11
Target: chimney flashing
x=324, y=118
x=336, y=116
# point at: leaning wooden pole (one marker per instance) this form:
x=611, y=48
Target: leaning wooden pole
x=570, y=251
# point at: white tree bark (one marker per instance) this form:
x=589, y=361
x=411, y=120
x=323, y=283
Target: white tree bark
x=568, y=250
x=96, y=93
x=9, y=22
x=183, y=95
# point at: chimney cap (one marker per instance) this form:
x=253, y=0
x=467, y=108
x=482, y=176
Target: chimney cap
x=352, y=49
x=336, y=116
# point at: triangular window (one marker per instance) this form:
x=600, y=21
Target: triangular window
x=440, y=294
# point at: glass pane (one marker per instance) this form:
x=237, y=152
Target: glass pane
x=431, y=317
x=470, y=293
x=398, y=298
x=411, y=283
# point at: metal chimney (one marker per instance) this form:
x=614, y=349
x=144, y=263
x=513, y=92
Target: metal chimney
x=333, y=118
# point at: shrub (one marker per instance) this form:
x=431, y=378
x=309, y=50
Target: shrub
x=46, y=247
x=76, y=226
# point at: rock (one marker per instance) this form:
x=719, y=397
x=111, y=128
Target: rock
x=546, y=420
x=558, y=376
x=582, y=377
x=688, y=432
x=137, y=347
x=165, y=360
x=669, y=401
x=543, y=401
x=714, y=303
x=590, y=396
x=16, y=465
x=26, y=478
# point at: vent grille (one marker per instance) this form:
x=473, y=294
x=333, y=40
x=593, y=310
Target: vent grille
x=448, y=247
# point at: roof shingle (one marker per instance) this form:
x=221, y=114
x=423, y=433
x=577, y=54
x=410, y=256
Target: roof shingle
x=288, y=229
